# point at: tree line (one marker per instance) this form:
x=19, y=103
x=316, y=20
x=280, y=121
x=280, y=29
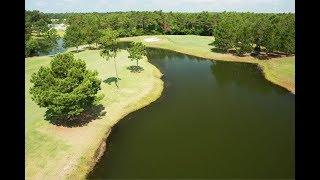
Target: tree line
x=150, y=23
x=39, y=38
x=248, y=32
x=240, y=32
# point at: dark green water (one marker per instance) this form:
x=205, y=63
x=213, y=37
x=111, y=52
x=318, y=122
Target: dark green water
x=214, y=120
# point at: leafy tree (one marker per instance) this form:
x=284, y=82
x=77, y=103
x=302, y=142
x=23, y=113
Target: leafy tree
x=37, y=21
x=38, y=37
x=32, y=47
x=42, y=44
x=92, y=31
x=73, y=36
x=260, y=27
x=28, y=31
x=226, y=32
x=66, y=88
x=49, y=41
x=109, y=44
x=137, y=51
x=41, y=26
x=244, y=37
x=287, y=34
x=205, y=22
x=240, y=31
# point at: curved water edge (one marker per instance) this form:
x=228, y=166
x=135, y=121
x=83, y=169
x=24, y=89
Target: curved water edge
x=234, y=87
x=101, y=147
x=259, y=67
x=208, y=58
x=60, y=49
x=96, y=153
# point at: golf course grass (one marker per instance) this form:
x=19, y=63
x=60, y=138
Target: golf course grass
x=56, y=152
x=280, y=71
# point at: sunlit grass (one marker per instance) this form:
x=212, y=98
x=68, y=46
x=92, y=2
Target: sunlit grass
x=54, y=152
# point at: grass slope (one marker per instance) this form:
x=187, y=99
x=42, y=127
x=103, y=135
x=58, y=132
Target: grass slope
x=280, y=71
x=54, y=152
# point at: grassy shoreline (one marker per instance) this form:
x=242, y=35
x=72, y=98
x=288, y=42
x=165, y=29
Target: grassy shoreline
x=279, y=71
x=70, y=153
x=54, y=152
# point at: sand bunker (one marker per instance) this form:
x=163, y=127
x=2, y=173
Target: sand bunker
x=153, y=39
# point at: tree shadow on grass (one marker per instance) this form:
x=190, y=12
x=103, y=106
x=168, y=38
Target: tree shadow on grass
x=92, y=47
x=211, y=44
x=112, y=80
x=80, y=50
x=135, y=69
x=93, y=113
x=217, y=50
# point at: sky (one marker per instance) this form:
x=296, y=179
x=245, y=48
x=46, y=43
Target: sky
x=276, y=6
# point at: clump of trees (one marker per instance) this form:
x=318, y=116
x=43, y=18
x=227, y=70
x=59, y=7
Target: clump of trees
x=83, y=30
x=38, y=37
x=73, y=36
x=247, y=32
x=66, y=88
x=242, y=32
x=146, y=23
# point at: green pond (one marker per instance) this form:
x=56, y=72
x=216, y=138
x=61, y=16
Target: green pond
x=214, y=120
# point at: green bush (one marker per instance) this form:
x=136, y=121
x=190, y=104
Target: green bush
x=66, y=88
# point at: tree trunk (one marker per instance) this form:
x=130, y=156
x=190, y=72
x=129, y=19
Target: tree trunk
x=77, y=49
x=115, y=67
x=137, y=63
x=258, y=49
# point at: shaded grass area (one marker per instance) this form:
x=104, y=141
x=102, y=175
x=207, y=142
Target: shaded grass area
x=58, y=152
x=111, y=80
x=135, y=69
x=83, y=119
x=277, y=70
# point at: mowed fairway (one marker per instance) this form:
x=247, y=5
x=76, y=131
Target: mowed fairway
x=55, y=152
x=280, y=71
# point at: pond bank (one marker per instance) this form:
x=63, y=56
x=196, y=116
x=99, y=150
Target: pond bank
x=280, y=71
x=194, y=110
x=55, y=152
